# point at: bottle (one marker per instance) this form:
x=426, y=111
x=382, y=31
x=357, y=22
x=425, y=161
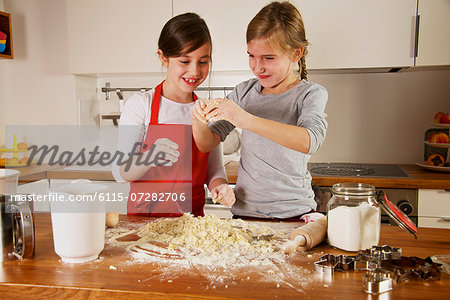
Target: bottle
x=354, y=217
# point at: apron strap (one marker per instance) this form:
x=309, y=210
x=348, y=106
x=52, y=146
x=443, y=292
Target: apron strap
x=155, y=104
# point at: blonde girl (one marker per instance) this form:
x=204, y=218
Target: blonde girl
x=281, y=115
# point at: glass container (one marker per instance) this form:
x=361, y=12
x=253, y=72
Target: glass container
x=354, y=217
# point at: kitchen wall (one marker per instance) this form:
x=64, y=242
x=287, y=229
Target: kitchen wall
x=381, y=117
x=373, y=117
x=35, y=86
x=3, y=90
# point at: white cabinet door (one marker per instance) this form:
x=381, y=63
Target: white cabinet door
x=227, y=22
x=115, y=36
x=434, y=33
x=434, y=208
x=359, y=33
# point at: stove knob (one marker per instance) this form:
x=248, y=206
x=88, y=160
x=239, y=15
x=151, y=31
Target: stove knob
x=405, y=207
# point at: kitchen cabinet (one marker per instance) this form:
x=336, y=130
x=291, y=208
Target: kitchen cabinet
x=434, y=38
x=359, y=34
x=434, y=208
x=342, y=34
x=227, y=22
x=113, y=36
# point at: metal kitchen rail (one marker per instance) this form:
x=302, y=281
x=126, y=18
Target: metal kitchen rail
x=107, y=89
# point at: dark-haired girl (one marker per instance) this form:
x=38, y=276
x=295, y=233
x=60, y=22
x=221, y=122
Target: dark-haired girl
x=167, y=172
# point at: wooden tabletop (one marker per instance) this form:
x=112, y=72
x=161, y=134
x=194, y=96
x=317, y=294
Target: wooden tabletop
x=115, y=275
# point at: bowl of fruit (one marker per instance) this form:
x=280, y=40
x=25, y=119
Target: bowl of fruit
x=438, y=140
x=16, y=156
x=441, y=120
x=437, y=144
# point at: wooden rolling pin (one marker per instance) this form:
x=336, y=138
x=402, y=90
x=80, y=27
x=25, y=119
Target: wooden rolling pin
x=307, y=236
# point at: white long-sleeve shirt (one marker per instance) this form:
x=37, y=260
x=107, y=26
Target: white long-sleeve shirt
x=134, y=122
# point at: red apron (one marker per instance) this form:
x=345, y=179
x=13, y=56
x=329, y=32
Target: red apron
x=170, y=191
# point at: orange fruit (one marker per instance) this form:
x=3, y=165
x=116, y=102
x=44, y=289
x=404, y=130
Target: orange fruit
x=433, y=138
x=445, y=119
x=436, y=160
x=22, y=146
x=439, y=138
x=12, y=161
x=437, y=117
x=23, y=160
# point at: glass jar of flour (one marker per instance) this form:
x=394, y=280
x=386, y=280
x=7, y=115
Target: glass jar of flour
x=354, y=217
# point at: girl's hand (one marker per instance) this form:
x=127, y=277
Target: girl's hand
x=169, y=148
x=224, y=109
x=223, y=194
x=198, y=110
x=136, y=168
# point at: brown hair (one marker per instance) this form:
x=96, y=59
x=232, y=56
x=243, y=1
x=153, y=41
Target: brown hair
x=183, y=34
x=282, y=25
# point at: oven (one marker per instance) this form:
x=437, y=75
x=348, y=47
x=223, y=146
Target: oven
x=405, y=199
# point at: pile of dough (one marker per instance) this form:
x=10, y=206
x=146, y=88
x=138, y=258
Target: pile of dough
x=208, y=233
x=210, y=236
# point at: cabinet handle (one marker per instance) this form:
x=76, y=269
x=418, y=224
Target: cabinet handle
x=445, y=219
x=416, y=37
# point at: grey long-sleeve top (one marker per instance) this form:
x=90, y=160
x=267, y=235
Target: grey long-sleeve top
x=273, y=181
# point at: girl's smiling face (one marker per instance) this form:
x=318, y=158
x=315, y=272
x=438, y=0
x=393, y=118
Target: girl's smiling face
x=185, y=73
x=274, y=70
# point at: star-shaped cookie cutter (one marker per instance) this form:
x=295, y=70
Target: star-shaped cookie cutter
x=330, y=263
x=385, y=252
x=372, y=258
x=368, y=260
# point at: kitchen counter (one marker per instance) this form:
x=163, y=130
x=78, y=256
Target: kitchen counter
x=114, y=275
x=60, y=173
x=34, y=172
x=419, y=178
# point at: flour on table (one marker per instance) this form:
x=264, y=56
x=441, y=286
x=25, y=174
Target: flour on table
x=204, y=240
x=211, y=246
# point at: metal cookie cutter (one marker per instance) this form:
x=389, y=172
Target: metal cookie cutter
x=366, y=263
x=385, y=252
x=377, y=281
x=442, y=260
x=372, y=258
x=330, y=263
